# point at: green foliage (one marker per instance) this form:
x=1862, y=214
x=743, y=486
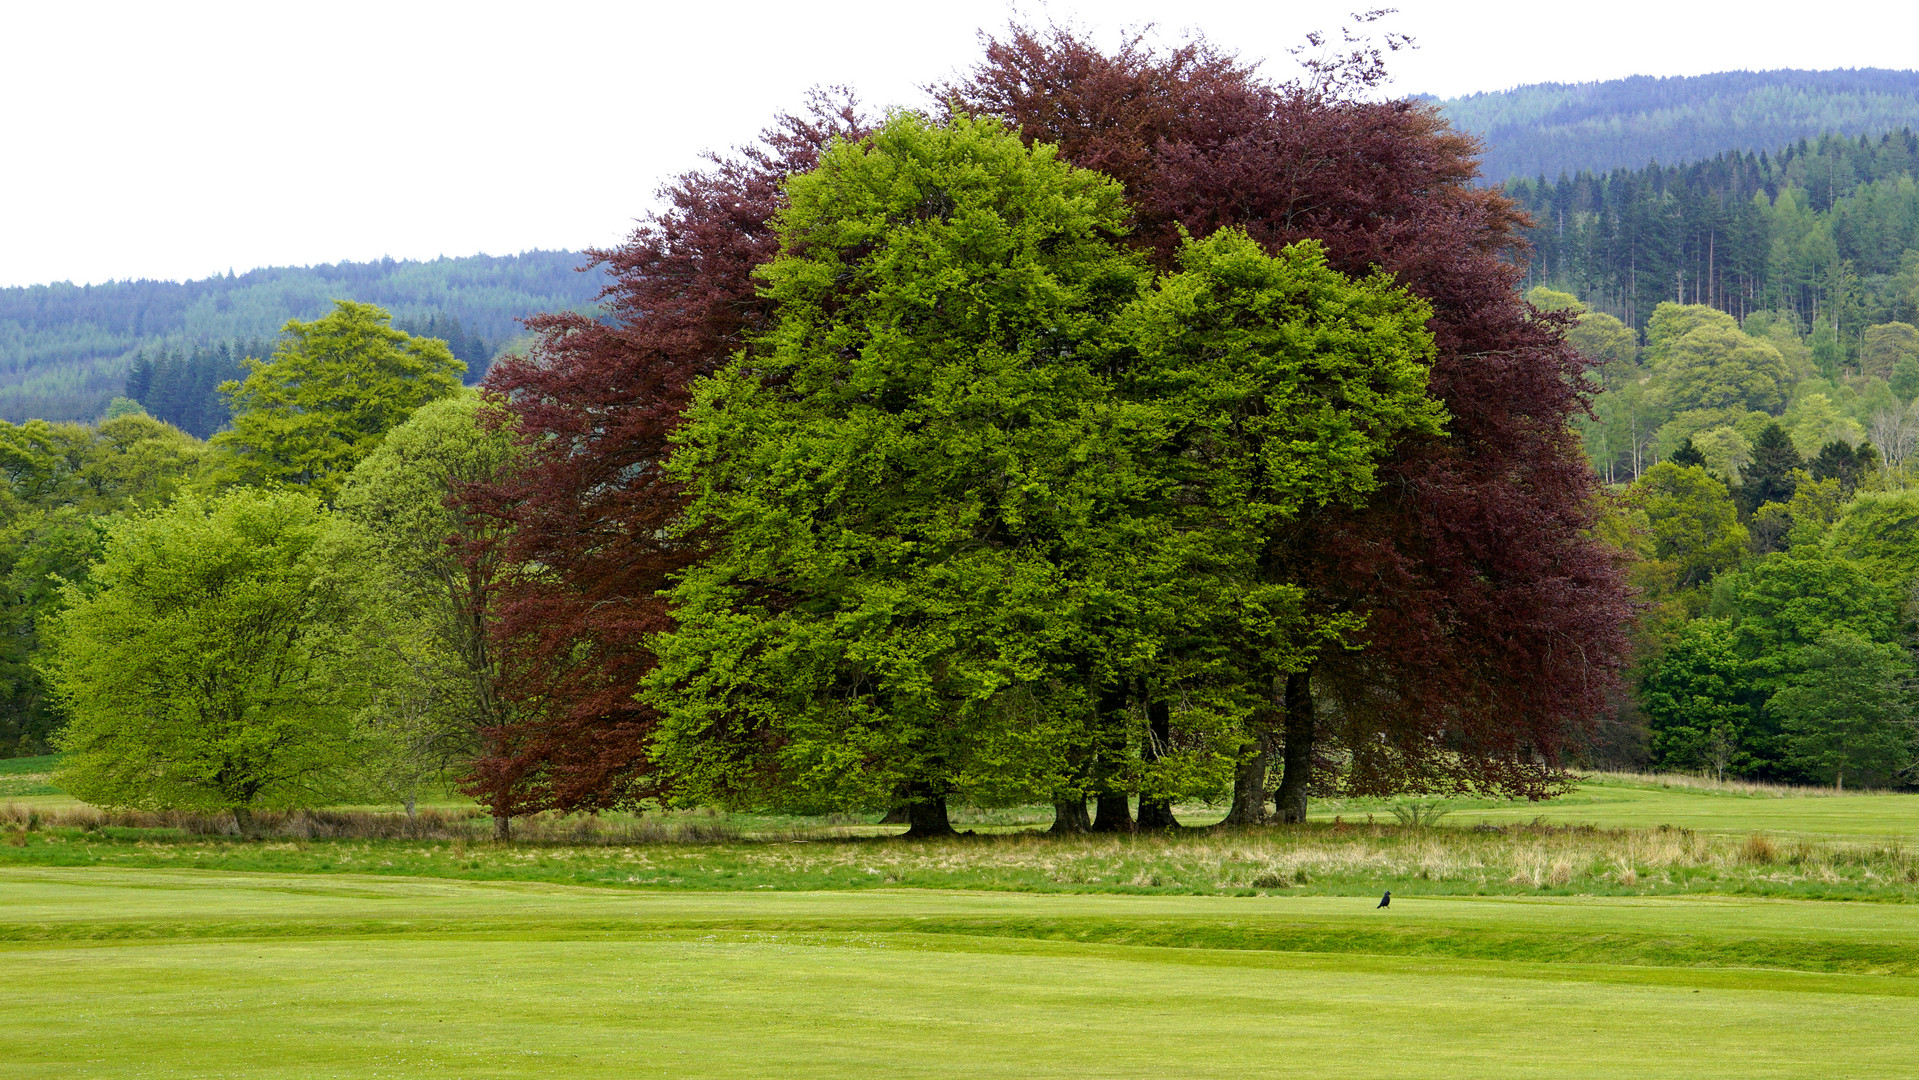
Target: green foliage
x=1604, y=341
x=1905, y=378
x=952, y=486
x=1553, y=300
x=183, y=387
x=1671, y=321
x=1769, y=476
x=206, y=662
x=1687, y=454
x=1812, y=421
x=893, y=474
x=1693, y=528
x=1715, y=366
x=1849, y=712
x=331, y=391
x=1879, y=530
x=434, y=693
x=1785, y=603
x=1697, y=702
x=1828, y=355
x=58, y=484
x=1886, y=346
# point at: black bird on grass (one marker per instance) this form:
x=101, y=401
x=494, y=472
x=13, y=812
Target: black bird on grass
x=1385, y=901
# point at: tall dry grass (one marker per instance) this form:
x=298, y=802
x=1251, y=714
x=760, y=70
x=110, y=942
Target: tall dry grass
x=471, y=824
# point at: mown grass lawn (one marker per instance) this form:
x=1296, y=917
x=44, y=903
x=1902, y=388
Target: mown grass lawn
x=1634, y=803
x=174, y=974
x=1668, y=942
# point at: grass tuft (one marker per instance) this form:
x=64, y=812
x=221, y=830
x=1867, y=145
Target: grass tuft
x=1760, y=850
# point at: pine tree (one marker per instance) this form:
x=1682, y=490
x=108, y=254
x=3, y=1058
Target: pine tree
x=1769, y=477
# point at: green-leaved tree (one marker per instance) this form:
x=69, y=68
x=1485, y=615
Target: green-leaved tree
x=209, y=663
x=1849, y=714
x=329, y=394
x=436, y=694
x=989, y=516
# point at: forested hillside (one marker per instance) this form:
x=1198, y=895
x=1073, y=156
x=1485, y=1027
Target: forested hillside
x=1554, y=128
x=66, y=350
x=1820, y=229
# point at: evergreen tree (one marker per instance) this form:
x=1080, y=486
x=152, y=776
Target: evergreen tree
x=1838, y=461
x=1768, y=477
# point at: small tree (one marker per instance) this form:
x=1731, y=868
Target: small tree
x=1850, y=713
x=1769, y=477
x=1697, y=703
x=207, y=663
x=440, y=701
x=331, y=391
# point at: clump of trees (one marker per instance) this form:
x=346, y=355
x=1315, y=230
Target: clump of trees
x=291, y=614
x=1775, y=554
x=1447, y=623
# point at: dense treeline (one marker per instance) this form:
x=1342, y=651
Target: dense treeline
x=1821, y=229
x=1769, y=511
x=1557, y=128
x=183, y=388
x=266, y=618
x=65, y=349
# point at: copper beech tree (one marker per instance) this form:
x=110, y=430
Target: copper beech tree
x=588, y=514
x=1493, y=623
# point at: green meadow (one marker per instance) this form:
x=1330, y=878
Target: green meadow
x=167, y=973
x=1637, y=927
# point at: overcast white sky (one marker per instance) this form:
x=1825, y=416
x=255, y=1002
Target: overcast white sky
x=176, y=140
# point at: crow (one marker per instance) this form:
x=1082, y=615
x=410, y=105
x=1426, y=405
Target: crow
x=1386, y=900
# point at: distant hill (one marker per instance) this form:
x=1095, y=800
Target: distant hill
x=65, y=350
x=1554, y=128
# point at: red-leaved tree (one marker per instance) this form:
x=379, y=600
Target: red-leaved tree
x=589, y=515
x=1496, y=622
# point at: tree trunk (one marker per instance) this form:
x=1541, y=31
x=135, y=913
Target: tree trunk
x=1111, y=813
x=1249, y=786
x=1157, y=814
x=409, y=807
x=897, y=816
x=1069, y=816
x=1297, y=775
x=926, y=814
x=502, y=827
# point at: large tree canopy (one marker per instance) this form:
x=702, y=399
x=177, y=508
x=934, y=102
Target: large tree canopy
x=57, y=483
x=891, y=474
x=946, y=484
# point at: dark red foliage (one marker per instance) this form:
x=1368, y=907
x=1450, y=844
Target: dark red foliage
x=1496, y=622
x=595, y=401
